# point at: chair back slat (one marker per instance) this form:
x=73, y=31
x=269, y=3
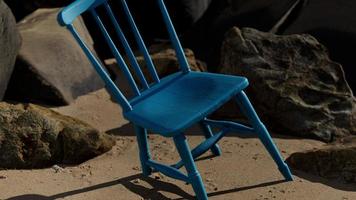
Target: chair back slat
x=116, y=53
x=183, y=63
x=127, y=47
x=101, y=71
x=140, y=43
x=140, y=83
x=70, y=13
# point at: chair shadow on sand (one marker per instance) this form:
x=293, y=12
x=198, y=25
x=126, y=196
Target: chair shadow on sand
x=144, y=192
x=157, y=186
x=127, y=130
x=154, y=192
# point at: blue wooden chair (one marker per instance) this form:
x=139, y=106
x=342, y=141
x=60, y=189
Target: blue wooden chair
x=170, y=105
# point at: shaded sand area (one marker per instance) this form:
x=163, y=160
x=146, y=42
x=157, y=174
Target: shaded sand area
x=244, y=171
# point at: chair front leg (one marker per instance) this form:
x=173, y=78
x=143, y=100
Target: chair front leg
x=193, y=174
x=141, y=135
x=247, y=108
x=208, y=134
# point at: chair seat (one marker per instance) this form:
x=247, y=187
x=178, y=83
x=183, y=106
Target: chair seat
x=178, y=104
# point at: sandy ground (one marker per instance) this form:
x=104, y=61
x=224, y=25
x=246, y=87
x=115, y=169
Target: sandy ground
x=244, y=171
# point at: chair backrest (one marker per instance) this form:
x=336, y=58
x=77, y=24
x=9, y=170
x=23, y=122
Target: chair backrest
x=77, y=8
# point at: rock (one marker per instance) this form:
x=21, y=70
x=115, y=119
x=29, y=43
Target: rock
x=57, y=169
x=336, y=30
x=10, y=42
x=165, y=60
x=148, y=17
x=51, y=67
x=22, y=8
x=189, y=11
x=334, y=161
x=35, y=137
x=185, y=12
x=208, y=34
x=295, y=87
x=262, y=15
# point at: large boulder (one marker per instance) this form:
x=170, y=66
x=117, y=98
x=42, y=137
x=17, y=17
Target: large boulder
x=10, y=42
x=208, y=34
x=184, y=12
x=35, y=137
x=22, y=8
x=334, y=161
x=51, y=67
x=164, y=59
x=295, y=86
x=333, y=24
x=148, y=17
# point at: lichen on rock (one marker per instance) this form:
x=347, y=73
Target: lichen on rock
x=32, y=136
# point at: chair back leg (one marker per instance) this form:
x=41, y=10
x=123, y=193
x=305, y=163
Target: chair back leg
x=141, y=135
x=215, y=149
x=247, y=108
x=193, y=174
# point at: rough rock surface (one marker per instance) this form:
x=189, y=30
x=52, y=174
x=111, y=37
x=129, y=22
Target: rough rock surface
x=22, y=8
x=51, y=67
x=294, y=85
x=336, y=30
x=334, y=161
x=34, y=137
x=207, y=36
x=165, y=60
x=10, y=42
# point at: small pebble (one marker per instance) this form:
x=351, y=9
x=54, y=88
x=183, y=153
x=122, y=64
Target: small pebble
x=208, y=180
x=3, y=177
x=136, y=181
x=57, y=168
x=158, y=176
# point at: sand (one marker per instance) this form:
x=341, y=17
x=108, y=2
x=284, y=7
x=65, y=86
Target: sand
x=244, y=171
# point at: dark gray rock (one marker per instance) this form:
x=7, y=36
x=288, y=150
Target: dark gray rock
x=10, y=42
x=296, y=88
x=35, y=137
x=184, y=14
x=164, y=59
x=333, y=24
x=208, y=34
x=51, y=67
x=22, y=8
x=334, y=161
x=166, y=62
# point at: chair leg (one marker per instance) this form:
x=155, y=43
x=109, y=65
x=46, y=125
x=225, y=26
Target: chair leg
x=193, y=174
x=208, y=134
x=245, y=105
x=141, y=135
